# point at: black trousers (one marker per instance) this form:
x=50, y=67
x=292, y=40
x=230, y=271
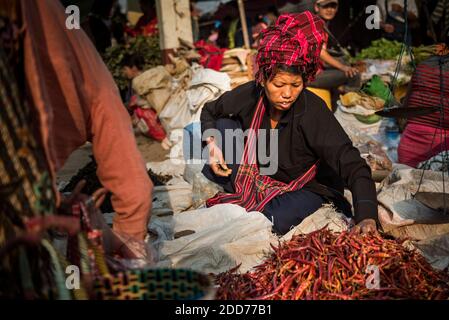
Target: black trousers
x=284, y=211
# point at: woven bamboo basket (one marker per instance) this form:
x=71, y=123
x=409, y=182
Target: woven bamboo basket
x=154, y=284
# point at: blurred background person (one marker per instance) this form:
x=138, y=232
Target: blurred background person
x=98, y=24
x=195, y=15
x=144, y=116
x=235, y=31
x=147, y=24
x=393, y=19
x=118, y=24
x=441, y=15
x=337, y=75
x=306, y=5
x=261, y=24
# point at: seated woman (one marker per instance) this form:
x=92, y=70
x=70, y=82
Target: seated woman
x=315, y=158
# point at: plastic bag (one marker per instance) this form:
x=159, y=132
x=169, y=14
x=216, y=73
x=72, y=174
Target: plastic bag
x=202, y=190
x=377, y=88
x=132, y=253
x=149, y=124
x=117, y=246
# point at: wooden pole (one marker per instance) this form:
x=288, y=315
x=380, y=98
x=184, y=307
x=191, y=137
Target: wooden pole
x=174, y=24
x=244, y=25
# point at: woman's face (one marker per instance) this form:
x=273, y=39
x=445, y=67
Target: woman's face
x=283, y=90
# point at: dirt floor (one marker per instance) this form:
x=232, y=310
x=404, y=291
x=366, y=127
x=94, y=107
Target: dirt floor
x=151, y=150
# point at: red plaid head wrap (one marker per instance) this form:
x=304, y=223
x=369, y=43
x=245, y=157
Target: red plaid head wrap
x=295, y=40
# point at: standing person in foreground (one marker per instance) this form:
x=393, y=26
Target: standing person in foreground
x=76, y=100
x=312, y=144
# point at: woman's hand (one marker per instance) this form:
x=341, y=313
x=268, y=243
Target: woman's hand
x=366, y=226
x=349, y=71
x=216, y=160
x=397, y=8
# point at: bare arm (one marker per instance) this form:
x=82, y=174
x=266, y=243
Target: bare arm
x=327, y=58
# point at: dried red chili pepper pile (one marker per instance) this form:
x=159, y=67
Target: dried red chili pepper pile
x=324, y=265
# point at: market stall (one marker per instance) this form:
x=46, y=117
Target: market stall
x=226, y=252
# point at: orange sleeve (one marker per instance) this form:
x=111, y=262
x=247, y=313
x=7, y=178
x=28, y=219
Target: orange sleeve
x=77, y=100
x=121, y=168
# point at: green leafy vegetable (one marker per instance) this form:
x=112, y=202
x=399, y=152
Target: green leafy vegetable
x=147, y=47
x=381, y=49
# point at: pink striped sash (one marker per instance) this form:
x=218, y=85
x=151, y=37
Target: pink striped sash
x=254, y=191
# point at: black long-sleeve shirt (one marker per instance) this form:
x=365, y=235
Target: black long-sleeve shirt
x=308, y=132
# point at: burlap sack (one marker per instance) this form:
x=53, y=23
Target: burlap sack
x=155, y=86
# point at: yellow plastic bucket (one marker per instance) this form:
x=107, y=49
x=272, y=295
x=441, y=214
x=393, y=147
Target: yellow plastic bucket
x=323, y=94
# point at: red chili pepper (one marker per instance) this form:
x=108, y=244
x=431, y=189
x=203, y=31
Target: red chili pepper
x=301, y=289
x=305, y=268
x=344, y=263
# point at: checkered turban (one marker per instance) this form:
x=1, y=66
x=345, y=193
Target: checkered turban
x=295, y=40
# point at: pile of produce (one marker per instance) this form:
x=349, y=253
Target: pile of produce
x=325, y=265
x=145, y=46
x=352, y=99
x=390, y=50
x=89, y=173
x=381, y=49
x=421, y=53
x=362, y=106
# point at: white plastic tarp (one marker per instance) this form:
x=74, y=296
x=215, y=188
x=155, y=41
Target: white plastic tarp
x=226, y=236
x=396, y=191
